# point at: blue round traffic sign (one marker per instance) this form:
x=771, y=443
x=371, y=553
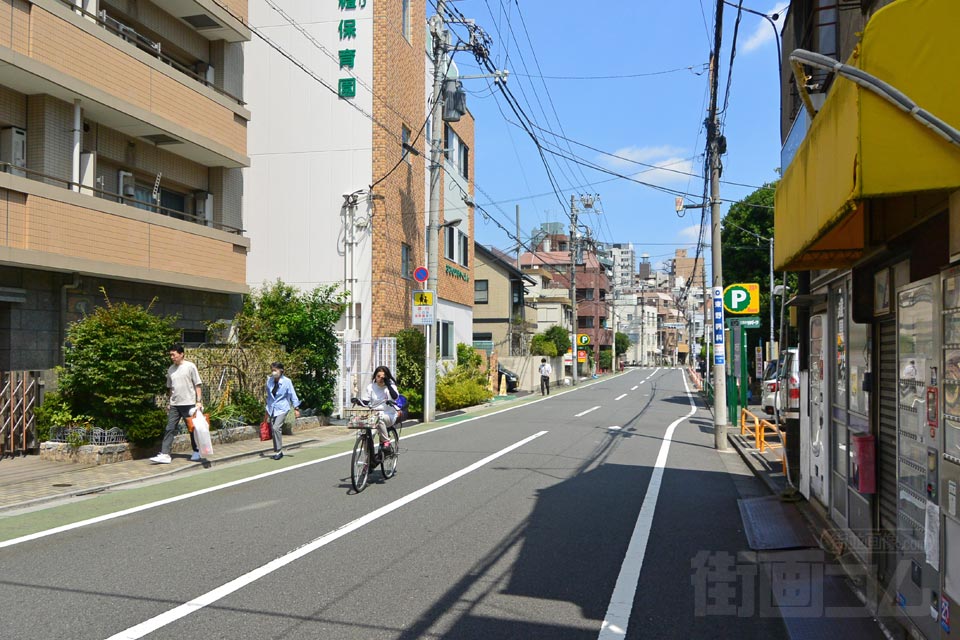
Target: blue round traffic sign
x=420, y=274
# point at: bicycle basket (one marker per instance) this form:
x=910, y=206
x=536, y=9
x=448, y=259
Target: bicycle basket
x=361, y=417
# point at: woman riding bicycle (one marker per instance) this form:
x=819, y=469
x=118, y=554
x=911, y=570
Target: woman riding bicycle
x=381, y=394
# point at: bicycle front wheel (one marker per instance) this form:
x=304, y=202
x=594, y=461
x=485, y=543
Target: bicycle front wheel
x=360, y=464
x=389, y=464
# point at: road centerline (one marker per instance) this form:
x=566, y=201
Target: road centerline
x=621, y=396
x=583, y=413
x=617, y=618
x=168, y=617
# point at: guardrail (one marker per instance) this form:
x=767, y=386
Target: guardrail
x=759, y=429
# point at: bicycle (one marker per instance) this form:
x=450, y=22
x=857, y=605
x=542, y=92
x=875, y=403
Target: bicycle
x=365, y=453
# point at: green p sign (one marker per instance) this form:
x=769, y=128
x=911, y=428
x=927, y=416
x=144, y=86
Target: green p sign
x=742, y=298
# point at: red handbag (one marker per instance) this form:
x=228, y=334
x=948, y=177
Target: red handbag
x=266, y=433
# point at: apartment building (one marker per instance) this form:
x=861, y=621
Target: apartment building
x=868, y=213
x=623, y=265
x=123, y=133
x=338, y=187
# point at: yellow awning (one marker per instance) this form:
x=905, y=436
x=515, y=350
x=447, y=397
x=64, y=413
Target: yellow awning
x=860, y=146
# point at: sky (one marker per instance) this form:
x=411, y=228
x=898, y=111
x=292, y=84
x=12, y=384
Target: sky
x=652, y=111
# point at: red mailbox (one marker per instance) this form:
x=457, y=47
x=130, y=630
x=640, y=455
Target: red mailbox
x=864, y=463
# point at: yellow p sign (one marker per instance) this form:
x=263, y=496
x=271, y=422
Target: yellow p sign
x=742, y=298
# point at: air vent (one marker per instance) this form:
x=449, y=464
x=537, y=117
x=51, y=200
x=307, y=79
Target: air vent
x=201, y=21
x=160, y=139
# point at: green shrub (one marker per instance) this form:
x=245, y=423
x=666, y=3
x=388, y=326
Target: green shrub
x=559, y=337
x=462, y=387
x=55, y=412
x=115, y=367
x=304, y=324
x=606, y=359
x=541, y=345
x=411, y=353
x=248, y=406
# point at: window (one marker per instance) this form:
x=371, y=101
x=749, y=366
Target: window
x=406, y=258
x=405, y=18
x=448, y=140
x=445, y=333
x=585, y=322
x=584, y=294
x=173, y=200
x=464, y=249
x=405, y=142
x=480, y=292
x=464, y=160
x=450, y=243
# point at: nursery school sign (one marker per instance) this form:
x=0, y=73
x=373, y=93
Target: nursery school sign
x=347, y=29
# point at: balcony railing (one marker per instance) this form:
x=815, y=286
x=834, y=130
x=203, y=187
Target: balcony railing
x=7, y=167
x=146, y=45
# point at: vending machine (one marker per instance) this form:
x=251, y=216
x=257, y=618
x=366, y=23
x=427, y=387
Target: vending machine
x=946, y=421
x=917, y=586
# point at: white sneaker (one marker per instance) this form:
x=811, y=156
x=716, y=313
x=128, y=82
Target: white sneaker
x=161, y=458
x=195, y=457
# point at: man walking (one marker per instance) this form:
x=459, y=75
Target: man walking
x=545, y=371
x=183, y=385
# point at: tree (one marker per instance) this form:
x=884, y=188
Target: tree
x=621, y=342
x=746, y=253
x=411, y=347
x=303, y=323
x=559, y=336
x=541, y=345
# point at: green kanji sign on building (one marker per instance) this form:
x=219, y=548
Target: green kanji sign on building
x=348, y=4
x=347, y=57
x=348, y=29
x=347, y=87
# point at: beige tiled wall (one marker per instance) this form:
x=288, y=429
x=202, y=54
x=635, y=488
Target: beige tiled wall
x=42, y=224
x=70, y=50
x=167, y=27
x=15, y=18
x=50, y=137
x=237, y=8
x=13, y=107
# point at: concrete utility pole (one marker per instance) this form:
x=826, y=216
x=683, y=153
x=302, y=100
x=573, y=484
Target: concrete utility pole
x=573, y=289
x=439, y=31
x=713, y=147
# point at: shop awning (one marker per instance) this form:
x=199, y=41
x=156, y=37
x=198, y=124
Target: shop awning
x=860, y=146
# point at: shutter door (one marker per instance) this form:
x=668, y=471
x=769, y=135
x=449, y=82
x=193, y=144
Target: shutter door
x=887, y=440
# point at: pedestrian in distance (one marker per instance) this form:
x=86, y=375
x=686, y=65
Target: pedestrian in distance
x=185, y=394
x=378, y=394
x=281, y=399
x=545, y=371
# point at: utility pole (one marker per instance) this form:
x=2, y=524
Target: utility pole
x=713, y=147
x=519, y=242
x=439, y=31
x=573, y=289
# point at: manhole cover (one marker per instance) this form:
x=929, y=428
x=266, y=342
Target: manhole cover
x=63, y=484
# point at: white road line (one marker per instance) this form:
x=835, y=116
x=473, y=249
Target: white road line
x=193, y=494
x=583, y=413
x=613, y=428
x=634, y=387
x=621, y=396
x=168, y=617
x=621, y=601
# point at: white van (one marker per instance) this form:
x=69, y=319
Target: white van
x=783, y=388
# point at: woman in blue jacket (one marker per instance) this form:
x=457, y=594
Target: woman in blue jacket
x=281, y=399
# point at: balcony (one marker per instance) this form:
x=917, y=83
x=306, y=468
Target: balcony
x=119, y=83
x=213, y=19
x=49, y=226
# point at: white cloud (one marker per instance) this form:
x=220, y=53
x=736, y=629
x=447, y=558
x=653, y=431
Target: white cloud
x=667, y=164
x=689, y=234
x=763, y=32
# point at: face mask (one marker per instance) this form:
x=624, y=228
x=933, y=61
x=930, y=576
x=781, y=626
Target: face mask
x=275, y=374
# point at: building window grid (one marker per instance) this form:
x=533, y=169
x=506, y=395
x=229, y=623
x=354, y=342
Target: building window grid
x=406, y=263
x=405, y=143
x=481, y=291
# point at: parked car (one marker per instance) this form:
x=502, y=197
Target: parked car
x=783, y=392
x=513, y=380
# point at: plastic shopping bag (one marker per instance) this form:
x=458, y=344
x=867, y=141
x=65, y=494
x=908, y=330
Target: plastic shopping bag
x=266, y=431
x=201, y=433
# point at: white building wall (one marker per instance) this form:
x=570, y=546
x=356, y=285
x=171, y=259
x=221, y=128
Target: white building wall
x=307, y=147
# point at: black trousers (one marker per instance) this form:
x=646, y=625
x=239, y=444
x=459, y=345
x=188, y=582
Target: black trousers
x=545, y=385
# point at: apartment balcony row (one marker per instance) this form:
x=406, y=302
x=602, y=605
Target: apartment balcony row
x=58, y=225
x=166, y=91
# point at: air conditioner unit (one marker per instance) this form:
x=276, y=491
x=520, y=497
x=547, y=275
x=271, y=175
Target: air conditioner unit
x=13, y=149
x=203, y=207
x=126, y=186
x=88, y=167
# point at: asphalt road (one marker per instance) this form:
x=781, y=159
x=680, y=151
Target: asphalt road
x=551, y=519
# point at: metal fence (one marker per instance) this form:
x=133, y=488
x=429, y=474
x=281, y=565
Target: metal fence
x=358, y=359
x=19, y=396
